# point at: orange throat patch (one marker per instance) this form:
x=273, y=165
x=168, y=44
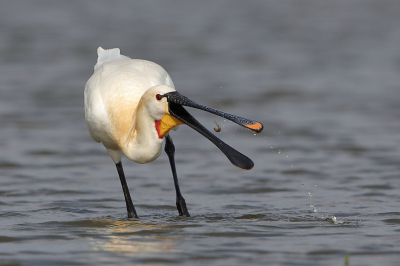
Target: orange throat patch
x=165, y=124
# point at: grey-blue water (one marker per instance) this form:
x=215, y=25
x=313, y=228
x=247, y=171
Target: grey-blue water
x=322, y=76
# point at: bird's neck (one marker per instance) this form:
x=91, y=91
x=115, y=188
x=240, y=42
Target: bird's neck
x=142, y=143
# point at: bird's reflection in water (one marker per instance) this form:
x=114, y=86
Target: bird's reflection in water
x=133, y=238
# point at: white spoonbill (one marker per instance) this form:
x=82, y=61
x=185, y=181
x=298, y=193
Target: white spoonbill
x=131, y=105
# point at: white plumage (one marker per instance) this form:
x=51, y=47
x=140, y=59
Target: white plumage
x=112, y=96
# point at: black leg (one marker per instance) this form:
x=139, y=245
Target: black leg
x=129, y=205
x=180, y=201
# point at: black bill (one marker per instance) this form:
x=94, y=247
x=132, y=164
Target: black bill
x=176, y=101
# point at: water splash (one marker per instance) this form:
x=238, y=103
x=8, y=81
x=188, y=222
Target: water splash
x=336, y=221
x=333, y=219
x=313, y=207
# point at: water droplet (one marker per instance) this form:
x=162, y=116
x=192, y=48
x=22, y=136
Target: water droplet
x=265, y=139
x=255, y=134
x=291, y=165
x=287, y=156
x=311, y=205
x=279, y=151
x=333, y=217
x=302, y=185
x=309, y=194
x=272, y=147
x=314, y=209
x=316, y=185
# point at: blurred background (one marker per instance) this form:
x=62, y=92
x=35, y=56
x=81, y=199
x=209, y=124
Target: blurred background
x=322, y=76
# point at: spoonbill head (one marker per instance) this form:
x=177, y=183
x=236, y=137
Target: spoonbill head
x=131, y=105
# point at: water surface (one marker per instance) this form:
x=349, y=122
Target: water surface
x=322, y=77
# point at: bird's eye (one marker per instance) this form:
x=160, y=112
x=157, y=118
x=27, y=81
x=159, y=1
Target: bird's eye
x=158, y=97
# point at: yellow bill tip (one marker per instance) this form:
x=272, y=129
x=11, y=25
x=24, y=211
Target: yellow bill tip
x=256, y=126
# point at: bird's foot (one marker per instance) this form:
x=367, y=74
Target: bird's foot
x=132, y=213
x=181, y=205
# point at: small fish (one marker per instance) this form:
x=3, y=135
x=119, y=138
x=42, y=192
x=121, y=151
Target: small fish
x=217, y=129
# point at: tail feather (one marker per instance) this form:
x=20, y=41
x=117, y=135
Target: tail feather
x=107, y=55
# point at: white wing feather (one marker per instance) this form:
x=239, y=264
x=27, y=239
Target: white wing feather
x=107, y=55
